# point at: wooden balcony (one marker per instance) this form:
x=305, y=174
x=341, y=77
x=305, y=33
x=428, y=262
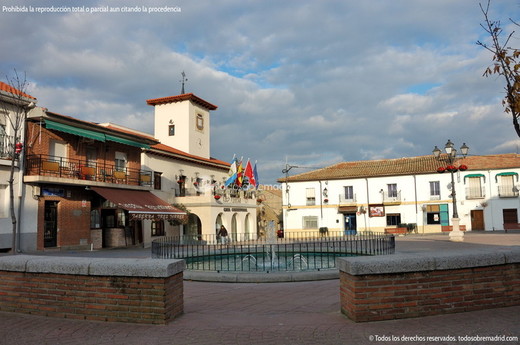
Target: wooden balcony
x=50, y=168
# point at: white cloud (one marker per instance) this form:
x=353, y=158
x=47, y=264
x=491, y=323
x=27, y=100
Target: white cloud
x=318, y=82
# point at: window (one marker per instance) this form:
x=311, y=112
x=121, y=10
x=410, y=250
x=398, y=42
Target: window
x=157, y=228
x=433, y=214
x=120, y=161
x=200, y=122
x=393, y=219
x=349, y=192
x=91, y=157
x=435, y=190
x=121, y=218
x=171, y=130
x=182, y=185
x=95, y=219
x=311, y=196
x=474, y=190
x=57, y=151
x=3, y=135
x=3, y=201
x=157, y=180
x=392, y=190
x=506, y=187
x=437, y=214
x=310, y=222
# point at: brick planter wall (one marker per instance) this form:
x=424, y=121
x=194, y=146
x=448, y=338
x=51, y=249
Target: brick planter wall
x=122, y=290
x=404, y=286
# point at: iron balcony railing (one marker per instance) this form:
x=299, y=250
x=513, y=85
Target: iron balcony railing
x=240, y=252
x=475, y=193
x=392, y=197
x=45, y=165
x=507, y=192
x=347, y=199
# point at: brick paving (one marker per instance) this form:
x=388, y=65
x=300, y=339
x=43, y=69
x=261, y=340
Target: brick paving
x=271, y=313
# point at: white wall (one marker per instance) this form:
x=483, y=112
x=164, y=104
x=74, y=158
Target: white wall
x=188, y=137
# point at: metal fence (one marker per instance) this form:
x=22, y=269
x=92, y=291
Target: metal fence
x=242, y=253
x=57, y=166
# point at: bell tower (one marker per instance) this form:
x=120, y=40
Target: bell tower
x=183, y=122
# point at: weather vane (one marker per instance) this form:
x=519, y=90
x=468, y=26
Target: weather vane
x=184, y=79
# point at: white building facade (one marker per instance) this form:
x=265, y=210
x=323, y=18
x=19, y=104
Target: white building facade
x=403, y=195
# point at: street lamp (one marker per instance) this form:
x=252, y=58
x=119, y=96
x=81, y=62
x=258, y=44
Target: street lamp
x=450, y=158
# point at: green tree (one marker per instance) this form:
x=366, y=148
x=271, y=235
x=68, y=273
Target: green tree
x=506, y=63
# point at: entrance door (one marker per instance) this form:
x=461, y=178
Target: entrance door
x=50, y=224
x=510, y=216
x=350, y=223
x=136, y=227
x=477, y=220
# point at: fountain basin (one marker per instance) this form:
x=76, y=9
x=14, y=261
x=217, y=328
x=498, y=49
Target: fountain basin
x=257, y=260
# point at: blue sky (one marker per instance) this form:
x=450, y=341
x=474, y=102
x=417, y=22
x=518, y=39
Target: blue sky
x=313, y=83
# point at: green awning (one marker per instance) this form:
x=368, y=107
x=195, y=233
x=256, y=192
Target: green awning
x=126, y=141
x=74, y=130
x=506, y=174
x=475, y=175
x=86, y=133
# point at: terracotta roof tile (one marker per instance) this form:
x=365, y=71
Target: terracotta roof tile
x=403, y=166
x=170, y=150
x=8, y=88
x=127, y=131
x=183, y=97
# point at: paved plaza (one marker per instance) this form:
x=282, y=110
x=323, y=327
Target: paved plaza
x=277, y=313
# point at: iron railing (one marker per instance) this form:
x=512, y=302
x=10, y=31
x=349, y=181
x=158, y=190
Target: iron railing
x=507, y=191
x=475, y=192
x=240, y=252
x=350, y=199
x=392, y=196
x=45, y=165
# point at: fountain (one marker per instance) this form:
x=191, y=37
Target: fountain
x=310, y=252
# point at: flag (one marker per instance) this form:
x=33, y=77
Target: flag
x=249, y=174
x=255, y=176
x=240, y=174
x=232, y=173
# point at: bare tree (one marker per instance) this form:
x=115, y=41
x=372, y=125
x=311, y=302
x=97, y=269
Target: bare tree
x=506, y=62
x=15, y=105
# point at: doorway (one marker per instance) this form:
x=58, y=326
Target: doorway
x=477, y=220
x=50, y=224
x=136, y=229
x=193, y=230
x=510, y=216
x=350, y=223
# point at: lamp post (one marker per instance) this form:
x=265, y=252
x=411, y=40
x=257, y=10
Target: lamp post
x=450, y=158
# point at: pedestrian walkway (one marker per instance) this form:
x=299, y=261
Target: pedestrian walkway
x=275, y=313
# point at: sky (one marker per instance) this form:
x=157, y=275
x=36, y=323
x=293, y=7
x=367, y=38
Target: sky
x=304, y=83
